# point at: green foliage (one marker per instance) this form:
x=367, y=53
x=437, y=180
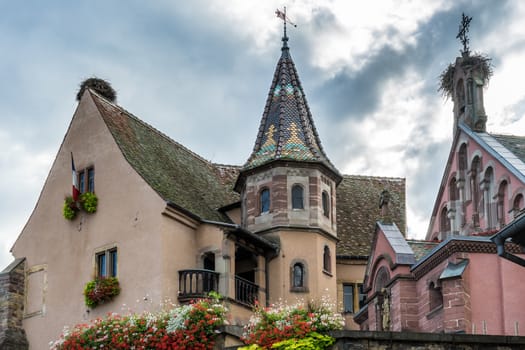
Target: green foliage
x=101, y=290
x=312, y=341
x=89, y=202
x=69, y=209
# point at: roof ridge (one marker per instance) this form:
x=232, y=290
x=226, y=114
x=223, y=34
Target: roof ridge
x=152, y=128
x=374, y=177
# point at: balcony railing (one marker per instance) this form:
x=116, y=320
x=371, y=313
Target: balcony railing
x=246, y=292
x=197, y=283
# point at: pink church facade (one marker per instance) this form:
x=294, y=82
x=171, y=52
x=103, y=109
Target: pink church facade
x=456, y=281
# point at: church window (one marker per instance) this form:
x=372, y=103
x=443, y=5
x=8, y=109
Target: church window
x=474, y=185
x=106, y=262
x=435, y=296
x=326, y=204
x=453, y=190
x=501, y=207
x=297, y=197
x=462, y=160
x=265, y=200
x=353, y=297
x=517, y=205
x=487, y=196
x=444, y=221
x=327, y=263
x=460, y=95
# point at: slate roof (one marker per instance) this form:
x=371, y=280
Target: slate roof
x=515, y=144
x=358, y=211
x=174, y=172
x=287, y=129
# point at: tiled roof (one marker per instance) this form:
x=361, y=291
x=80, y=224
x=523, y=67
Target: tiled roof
x=174, y=172
x=515, y=144
x=421, y=248
x=287, y=129
x=358, y=211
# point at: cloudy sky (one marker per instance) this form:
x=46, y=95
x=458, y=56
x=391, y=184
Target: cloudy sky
x=200, y=72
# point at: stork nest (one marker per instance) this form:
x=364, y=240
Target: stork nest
x=477, y=61
x=100, y=86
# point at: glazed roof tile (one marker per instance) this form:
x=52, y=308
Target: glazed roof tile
x=174, y=172
x=358, y=211
x=287, y=129
x=421, y=248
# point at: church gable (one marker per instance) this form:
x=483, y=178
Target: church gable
x=483, y=185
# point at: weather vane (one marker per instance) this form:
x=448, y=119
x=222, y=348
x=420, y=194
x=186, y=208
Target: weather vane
x=282, y=15
x=463, y=31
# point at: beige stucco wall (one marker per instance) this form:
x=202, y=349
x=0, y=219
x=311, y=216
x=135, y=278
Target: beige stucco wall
x=61, y=254
x=307, y=247
x=349, y=271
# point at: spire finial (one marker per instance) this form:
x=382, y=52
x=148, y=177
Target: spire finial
x=282, y=15
x=462, y=34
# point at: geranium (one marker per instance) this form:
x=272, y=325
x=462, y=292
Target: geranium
x=101, y=290
x=269, y=326
x=160, y=330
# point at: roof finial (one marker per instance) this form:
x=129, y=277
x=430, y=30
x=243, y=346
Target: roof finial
x=462, y=34
x=282, y=15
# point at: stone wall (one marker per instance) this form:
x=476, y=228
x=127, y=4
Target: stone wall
x=12, y=335
x=359, y=340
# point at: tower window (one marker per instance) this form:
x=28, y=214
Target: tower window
x=265, y=200
x=298, y=275
x=326, y=204
x=297, y=197
x=327, y=264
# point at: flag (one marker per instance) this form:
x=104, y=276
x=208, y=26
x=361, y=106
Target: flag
x=76, y=190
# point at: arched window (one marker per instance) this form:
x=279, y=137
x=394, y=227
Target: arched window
x=453, y=190
x=517, y=205
x=326, y=204
x=502, y=200
x=265, y=200
x=489, y=208
x=460, y=95
x=327, y=263
x=298, y=275
x=474, y=186
x=297, y=197
x=435, y=296
x=444, y=222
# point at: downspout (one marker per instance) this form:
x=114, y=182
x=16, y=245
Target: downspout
x=509, y=231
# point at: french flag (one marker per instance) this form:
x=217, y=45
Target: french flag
x=76, y=190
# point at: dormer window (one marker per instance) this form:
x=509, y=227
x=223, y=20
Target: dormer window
x=326, y=204
x=297, y=197
x=264, y=197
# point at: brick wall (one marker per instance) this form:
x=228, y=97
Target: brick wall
x=12, y=335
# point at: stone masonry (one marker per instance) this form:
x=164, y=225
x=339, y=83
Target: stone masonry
x=12, y=335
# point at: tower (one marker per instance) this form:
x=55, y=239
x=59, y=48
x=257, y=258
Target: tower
x=288, y=191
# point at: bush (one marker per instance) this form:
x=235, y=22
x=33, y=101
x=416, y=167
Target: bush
x=89, y=202
x=70, y=208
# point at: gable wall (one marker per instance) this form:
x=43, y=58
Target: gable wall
x=465, y=224
x=61, y=254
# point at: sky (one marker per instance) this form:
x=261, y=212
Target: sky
x=200, y=72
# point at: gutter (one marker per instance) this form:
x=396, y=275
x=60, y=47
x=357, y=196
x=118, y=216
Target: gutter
x=507, y=232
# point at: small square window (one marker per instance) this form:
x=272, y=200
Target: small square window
x=107, y=263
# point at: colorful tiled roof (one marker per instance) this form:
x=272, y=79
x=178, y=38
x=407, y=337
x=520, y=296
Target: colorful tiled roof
x=358, y=211
x=287, y=130
x=174, y=172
